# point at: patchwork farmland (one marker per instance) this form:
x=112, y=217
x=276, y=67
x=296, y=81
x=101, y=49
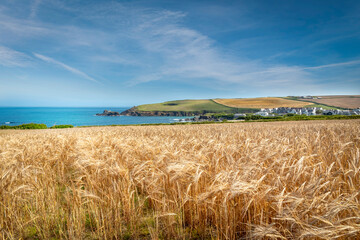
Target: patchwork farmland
x=342, y=101
x=264, y=102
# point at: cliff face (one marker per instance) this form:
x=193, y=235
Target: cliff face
x=133, y=112
x=108, y=113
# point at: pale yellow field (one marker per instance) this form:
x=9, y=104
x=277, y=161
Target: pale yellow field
x=345, y=101
x=265, y=102
x=280, y=180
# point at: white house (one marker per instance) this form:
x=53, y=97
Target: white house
x=293, y=111
x=307, y=97
x=312, y=112
x=346, y=112
x=263, y=114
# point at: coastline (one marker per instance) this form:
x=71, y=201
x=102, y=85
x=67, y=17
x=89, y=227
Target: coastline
x=134, y=112
x=289, y=119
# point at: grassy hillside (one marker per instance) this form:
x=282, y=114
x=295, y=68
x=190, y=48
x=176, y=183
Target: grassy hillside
x=247, y=105
x=265, y=102
x=204, y=105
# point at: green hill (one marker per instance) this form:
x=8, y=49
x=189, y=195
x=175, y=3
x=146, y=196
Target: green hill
x=202, y=106
x=185, y=105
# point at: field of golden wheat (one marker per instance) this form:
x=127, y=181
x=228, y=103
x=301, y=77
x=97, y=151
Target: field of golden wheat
x=280, y=180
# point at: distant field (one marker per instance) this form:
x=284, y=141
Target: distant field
x=186, y=106
x=279, y=180
x=342, y=101
x=249, y=104
x=266, y=102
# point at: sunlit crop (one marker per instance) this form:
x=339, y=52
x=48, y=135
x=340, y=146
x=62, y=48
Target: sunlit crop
x=264, y=102
x=281, y=180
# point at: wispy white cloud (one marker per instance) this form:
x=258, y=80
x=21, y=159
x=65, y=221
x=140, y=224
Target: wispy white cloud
x=115, y=59
x=66, y=67
x=164, y=47
x=12, y=58
x=19, y=29
x=348, y=63
x=193, y=57
x=34, y=8
x=156, y=42
x=292, y=69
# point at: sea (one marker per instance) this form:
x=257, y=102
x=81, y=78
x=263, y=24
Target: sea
x=76, y=116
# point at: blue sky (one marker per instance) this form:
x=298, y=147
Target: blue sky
x=125, y=53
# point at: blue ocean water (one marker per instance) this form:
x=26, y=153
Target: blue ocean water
x=81, y=116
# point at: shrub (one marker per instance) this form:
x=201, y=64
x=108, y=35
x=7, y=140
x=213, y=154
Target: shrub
x=25, y=126
x=241, y=117
x=223, y=116
x=62, y=126
x=253, y=117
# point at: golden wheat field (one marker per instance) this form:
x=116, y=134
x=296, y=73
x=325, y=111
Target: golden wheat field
x=264, y=102
x=280, y=180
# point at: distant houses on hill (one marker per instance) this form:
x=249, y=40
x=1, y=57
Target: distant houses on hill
x=305, y=97
x=272, y=113
x=305, y=111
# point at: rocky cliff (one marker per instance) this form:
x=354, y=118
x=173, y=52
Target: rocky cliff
x=134, y=112
x=108, y=113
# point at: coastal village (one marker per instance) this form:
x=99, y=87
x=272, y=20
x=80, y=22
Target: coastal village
x=311, y=111
x=212, y=114
x=263, y=113
x=274, y=112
